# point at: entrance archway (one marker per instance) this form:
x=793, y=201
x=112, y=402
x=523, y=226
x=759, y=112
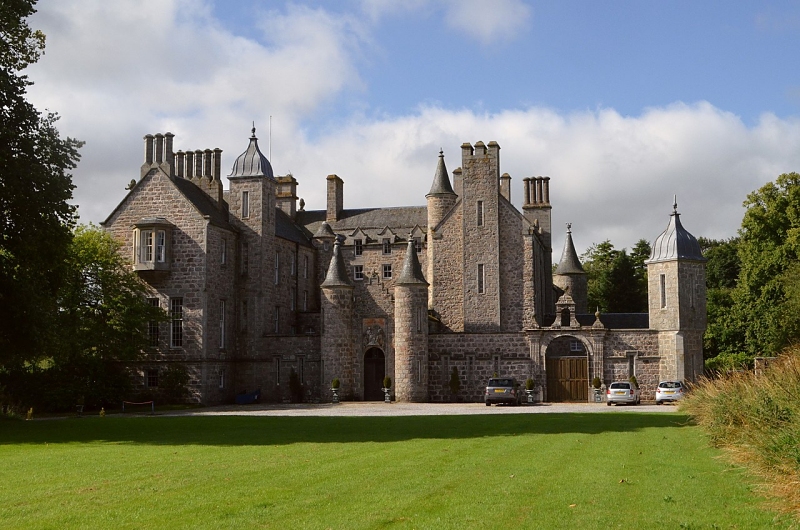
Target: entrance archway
x=374, y=372
x=567, y=366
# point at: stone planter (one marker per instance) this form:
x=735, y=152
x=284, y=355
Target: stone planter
x=335, y=398
x=530, y=395
x=387, y=395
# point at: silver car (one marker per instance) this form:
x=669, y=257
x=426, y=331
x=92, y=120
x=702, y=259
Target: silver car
x=502, y=390
x=622, y=392
x=669, y=391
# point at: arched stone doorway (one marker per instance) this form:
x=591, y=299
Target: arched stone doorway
x=374, y=372
x=567, y=367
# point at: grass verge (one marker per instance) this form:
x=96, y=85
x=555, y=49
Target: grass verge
x=612, y=470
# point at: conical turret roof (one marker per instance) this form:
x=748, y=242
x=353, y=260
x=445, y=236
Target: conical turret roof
x=337, y=272
x=569, y=264
x=441, y=182
x=411, y=274
x=675, y=242
x=252, y=163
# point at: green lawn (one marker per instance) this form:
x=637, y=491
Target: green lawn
x=611, y=470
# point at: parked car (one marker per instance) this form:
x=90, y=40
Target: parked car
x=622, y=392
x=669, y=391
x=502, y=390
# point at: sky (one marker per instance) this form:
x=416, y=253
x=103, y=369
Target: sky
x=624, y=105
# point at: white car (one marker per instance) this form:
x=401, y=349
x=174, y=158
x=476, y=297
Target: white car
x=622, y=392
x=669, y=391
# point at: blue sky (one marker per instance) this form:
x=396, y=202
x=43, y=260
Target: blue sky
x=622, y=104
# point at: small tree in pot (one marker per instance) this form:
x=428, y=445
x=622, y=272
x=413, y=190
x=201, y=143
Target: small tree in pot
x=387, y=384
x=335, y=389
x=529, y=386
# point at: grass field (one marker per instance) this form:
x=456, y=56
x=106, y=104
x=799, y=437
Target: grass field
x=611, y=470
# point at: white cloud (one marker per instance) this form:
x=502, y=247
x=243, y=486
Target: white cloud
x=488, y=22
x=118, y=73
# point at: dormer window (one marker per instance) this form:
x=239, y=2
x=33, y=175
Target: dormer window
x=152, y=241
x=358, y=246
x=387, y=245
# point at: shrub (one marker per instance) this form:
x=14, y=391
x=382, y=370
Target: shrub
x=756, y=419
x=633, y=381
x=455, y=382
x=387, y=382
x=596, y=382
x=529, y=384
x=335, y=383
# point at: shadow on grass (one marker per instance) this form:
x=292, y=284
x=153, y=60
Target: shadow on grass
x=270, y=430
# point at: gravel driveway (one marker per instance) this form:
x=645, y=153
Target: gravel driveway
x=411, y=409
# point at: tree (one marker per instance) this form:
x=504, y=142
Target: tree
x=35, y=186
x=617, y=281
x=722, y=273
x=768, y=250
x=102, y=319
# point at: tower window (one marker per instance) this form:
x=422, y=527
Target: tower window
x=481, y=279
x=663, y=281
x=418, y=244
x=277, y=268
x=480, y=213
x=223, y=258
x=245, y=204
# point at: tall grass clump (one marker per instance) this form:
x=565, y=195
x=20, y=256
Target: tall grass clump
x=755, y=418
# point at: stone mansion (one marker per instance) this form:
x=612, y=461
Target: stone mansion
x=260, y=291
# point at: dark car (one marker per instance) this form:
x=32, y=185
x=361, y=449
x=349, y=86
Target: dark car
x=502, y=390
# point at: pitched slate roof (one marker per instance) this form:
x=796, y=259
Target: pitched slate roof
x=286, y=229
x=372, y=221
x=204, y=204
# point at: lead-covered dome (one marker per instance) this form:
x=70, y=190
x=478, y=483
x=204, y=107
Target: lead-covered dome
x=675, y=242
x=252, y=163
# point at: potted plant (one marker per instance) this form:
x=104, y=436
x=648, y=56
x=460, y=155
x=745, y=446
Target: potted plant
x=529, y=386
x=335, y=389
x=596, y=384
x=387, y=384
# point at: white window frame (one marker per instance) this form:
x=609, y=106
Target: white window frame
x=358, y=247
x=358, y=273
x=387, y=271
x=387, y=245
x=176, y=322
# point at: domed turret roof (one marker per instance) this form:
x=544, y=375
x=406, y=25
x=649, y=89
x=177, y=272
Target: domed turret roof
x=569, y=264
x=252, y=163
x=675, y=242
x=441, y=182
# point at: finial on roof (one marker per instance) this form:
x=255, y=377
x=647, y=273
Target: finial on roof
x=253, y=130
x=569, y=228
x=675, y=204
x=441, y=152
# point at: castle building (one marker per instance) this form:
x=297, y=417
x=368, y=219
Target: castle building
x=261, y=291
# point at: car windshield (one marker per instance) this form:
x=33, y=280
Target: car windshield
x=626, y=386
x=670, y=384
x=501, y=382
